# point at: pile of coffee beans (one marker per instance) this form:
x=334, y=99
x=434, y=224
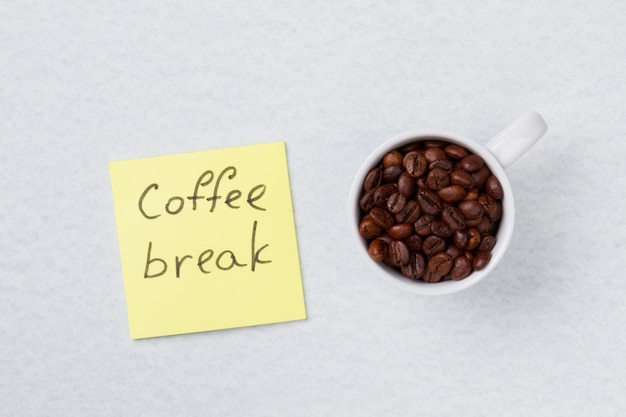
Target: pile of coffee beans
x=431, y=209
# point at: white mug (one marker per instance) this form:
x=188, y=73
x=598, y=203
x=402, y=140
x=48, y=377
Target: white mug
x=498, y=154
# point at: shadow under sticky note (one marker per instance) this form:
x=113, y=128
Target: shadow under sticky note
x=207, y=240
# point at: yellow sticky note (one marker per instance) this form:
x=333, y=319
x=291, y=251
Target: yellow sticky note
x=207, y=240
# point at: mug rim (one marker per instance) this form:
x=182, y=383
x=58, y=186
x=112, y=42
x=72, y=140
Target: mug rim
x=505, y=229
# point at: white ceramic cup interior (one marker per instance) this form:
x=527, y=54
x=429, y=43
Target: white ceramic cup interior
x=499, y=153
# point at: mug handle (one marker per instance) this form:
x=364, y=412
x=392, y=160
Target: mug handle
x=516, y=139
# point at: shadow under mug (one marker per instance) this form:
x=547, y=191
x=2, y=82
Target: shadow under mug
x=498, y=154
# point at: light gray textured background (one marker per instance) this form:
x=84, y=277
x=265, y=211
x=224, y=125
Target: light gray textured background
x=83, y=83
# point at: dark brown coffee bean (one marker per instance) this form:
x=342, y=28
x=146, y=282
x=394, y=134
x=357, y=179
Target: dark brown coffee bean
x=414, y=269
x=377, y=250
x=440, y=263
x=392, y=173
x=473, y=238
x=453, y=251
x=392, y=158
x=462, y=178
x=461, y=268
x=471, y=194
x=382, y=193
x=460, y=238
x=487, y=243
x=422, y=225
x=415, y=163
x=481, y=259
x=433, y=244
x=400, y=231
x=372, y=179
x=437, y=179
x=471, y=163
x=487, y=202
x=410, y=213
x=414, y=243
x=444, y=164
x=396, y=202
x=453, y=217
x=480, y=176
x=496, y=214
x=381, y=217
x=493, y=187
x=397, y=253
x=440, y=228
x=484, y=227
x=367, y=201
x=452, y=193
x=368, y=229
x=455, y=151
x=471, y=209
x=429, y=202
x=434, y=154
x=406, y=184
x=431, y=277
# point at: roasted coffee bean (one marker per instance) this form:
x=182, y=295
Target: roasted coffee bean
x=368, y=229
x=461, y=268
x=413, y=242
x=444, y=164
x=437, y=179
x=452, y=193
x=392, y=158
x=455, y=151
x=422, y=225
x=367, y=201
x=396, y=202
x=493, y=187
x=433, y=244
x=481, y=259
x=471, y=209
x=410, y=213
x=460, y=239
x=453, y=218
x=382, y=193
x=415, y=163
x=377, y=250
x=496, y=214
x=434, y=154
x=372, y=179
x=462, y=178
x=406, y=184
x=484, y=227
x=431, y=276
x=440, y=228
x=473, y=238
x=487, y=243
x=392, y=173
x=397, y=253
x=480, y=176
x=487, y=202
x=471, y=163
x=440, y=263
x=471, y=194
x=429, y=202
x=414, y=269
x=400, y=231
x=453, y=251
x=381, y=217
